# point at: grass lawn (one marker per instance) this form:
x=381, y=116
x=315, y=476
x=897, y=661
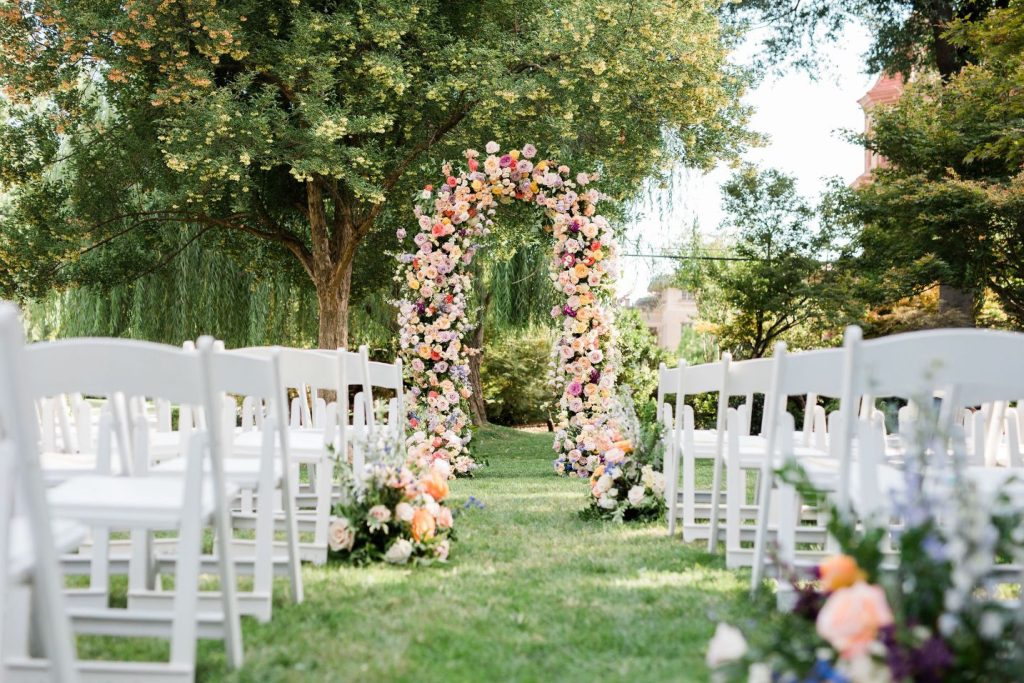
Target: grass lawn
x=531, y=593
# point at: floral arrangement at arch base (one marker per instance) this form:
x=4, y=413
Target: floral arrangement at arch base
x=629, y=485
x=939, y=615
x=392, y=510
x=452, y=221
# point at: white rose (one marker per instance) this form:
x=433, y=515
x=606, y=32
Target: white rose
x=399, y=552
x=404, y=512
x=659, y=483
x=604, y=482
x=636, y=495
x=606, y=503
x=759, y=673
x=442, y=467
x=727, y=645
x=492, y=147
x=340, y=535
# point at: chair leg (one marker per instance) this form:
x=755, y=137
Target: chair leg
x=761, y=539
x=672, y=486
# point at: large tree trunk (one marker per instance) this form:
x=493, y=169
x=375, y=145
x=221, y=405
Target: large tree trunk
x=333, y=258
x=477, y=404
x=332, y=305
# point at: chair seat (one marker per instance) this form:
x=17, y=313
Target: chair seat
x=67, y=535
x=152, y=502
x=58, y=467
x=164, y=445
x=244, y=472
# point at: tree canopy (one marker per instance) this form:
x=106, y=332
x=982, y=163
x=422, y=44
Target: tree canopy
x=950, y=207
x=907, y=34
x=285, y=132
x=786, y=276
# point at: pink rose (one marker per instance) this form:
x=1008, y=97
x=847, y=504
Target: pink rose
x=529, y=151
x=340, y=535
x=444, y=518
x=851, y=618
x=492, y=147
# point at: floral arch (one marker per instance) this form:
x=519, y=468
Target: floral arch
x=432, y=316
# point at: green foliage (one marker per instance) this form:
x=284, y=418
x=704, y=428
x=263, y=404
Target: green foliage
x=784, y=287
x=515, y=377
x=908, y=34
x=289, y=133
x=951, y=206
x=638, y=356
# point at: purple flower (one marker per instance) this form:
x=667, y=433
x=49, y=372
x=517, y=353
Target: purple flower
x=505, y=161
x=595, y=375
x=569, y=311
x=574, y=388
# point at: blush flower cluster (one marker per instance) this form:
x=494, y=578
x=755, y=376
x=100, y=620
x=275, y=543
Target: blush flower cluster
x=451, y=220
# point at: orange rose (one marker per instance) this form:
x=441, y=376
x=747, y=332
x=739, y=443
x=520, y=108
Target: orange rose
x=840, y=571
x=423, y=525
x=436, y=485
x=624, y=445
x=851, y=618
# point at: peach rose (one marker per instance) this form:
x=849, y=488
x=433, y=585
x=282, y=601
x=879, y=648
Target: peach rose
x=625, y=446
x=851, y=618
x=436, y=486
x=840, y=571
x=340, y=535
x=423, y=525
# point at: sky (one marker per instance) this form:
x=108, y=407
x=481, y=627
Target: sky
x=802, y=118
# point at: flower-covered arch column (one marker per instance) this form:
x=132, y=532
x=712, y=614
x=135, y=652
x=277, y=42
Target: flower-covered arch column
x=452, y=219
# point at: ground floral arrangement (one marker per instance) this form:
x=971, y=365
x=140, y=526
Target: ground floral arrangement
x=941, y=614
x=393, y=510
x=452, y=220
x=629, y=485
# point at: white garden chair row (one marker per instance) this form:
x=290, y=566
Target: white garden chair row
x=223, y=479
x=850, y=452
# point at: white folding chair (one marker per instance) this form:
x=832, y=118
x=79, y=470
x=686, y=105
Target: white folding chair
x=264, y=480
x=812, y=372
x=143, y=502
x=29, y=539
x=690, y=445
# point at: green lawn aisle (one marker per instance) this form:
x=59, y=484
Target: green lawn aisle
x=532, y=593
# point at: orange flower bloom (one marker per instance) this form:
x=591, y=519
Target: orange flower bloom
x=436, y=485
x=624, y=445
x=423, y=524
x=840, y=571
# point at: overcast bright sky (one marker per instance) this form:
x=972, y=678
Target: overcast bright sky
x=802, y=119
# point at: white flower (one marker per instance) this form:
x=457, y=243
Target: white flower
x=340, y=535
x=606, y=503
x=636, y=495
x=727, y=645
x=865, y=669
x=604, y=482
x=399, y=552
x=759, y=673
x=492, y=147
x=404, y=512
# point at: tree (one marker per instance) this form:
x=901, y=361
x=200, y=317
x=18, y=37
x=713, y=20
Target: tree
x=285, y=132
x=781, y=281
x=908, y=34
x=951, y=206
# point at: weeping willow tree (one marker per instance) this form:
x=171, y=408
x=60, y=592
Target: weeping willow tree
x=207, y=290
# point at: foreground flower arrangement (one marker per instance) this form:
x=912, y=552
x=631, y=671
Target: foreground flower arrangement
x=941, y=614
x=391, y=511
x=452, y=221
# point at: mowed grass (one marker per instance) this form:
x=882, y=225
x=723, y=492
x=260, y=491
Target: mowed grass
x=531, y=593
